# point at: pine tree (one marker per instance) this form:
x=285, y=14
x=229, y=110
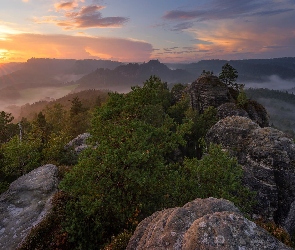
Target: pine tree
x=229, y=75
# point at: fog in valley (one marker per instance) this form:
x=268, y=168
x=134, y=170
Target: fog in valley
x=273, y=82
x=29, y=96
x=49, y=79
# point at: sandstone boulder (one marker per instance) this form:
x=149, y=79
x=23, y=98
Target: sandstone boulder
x=25, y=204
x=201, y=224
x=208, y=91
x=230, y=109
x=267, y=157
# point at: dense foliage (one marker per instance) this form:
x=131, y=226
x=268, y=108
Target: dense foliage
x=143, y=160
x=29, y=144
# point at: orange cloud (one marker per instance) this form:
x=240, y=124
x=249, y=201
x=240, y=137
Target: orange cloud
x=229, y=40
x=20, y=47
x=66, y=5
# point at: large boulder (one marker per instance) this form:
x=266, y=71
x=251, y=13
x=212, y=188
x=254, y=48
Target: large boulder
x=25, y=204
x=201, y=224
x=252, y=109
x=208, y=91
x=267, y=157
x=230, y=109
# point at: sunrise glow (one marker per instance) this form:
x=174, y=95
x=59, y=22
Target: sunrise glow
x=180, y=32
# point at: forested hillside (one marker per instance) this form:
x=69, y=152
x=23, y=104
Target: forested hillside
x=89, y=99
x=280, y=106
x=250, y=70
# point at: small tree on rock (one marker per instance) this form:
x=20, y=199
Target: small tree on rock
x=229, y=76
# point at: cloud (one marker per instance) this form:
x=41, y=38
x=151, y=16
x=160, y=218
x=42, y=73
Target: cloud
x=65, y=5
x=25, y=1
x=228, y=9
x=83, y=17
x=24, y=46
x=182, y=26
x=235, y=29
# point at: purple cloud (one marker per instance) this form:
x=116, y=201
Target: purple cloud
x=228, y=9
x=87, y=17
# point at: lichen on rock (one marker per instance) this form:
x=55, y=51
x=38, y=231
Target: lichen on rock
x=25, y=204
x=201, y=224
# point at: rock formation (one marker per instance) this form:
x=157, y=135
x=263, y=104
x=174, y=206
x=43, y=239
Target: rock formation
x=267, y=157
x=78, y=143
x=201, y=224
x=208, y=91
x=25, y=204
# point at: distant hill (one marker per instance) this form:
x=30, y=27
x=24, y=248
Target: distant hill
x=132, y=74
x=89, y=98
x=248, y=70
x=38, y=72
x=7, y=68
x=280, y=106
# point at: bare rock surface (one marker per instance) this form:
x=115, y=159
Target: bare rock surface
x=201, y=224
x=267, y=156
x=208, y=91
x=25, y=204
x=79, y=143
x=257, y=113
x=230, y=109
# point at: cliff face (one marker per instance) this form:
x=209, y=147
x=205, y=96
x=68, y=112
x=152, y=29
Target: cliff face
x=208, y=91
x=268, y=159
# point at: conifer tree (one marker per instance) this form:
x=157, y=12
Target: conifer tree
x=229, y=75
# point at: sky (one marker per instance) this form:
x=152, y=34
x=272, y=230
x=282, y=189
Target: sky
x=140, y=30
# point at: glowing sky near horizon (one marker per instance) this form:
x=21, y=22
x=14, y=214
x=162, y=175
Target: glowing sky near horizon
x=138, y=30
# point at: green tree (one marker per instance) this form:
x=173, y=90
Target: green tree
x=229, y=75
x=242, y=98
x=7, y=129
x=56, y=116
x=126, y=177
x=79, y=118
x=20, y=157
x=217, y=175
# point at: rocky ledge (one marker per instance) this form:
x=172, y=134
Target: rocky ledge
x=201, y=224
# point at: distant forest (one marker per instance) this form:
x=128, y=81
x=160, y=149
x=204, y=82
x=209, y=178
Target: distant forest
x=280, y=106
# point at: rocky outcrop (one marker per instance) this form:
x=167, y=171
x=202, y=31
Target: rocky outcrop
x=79, y=143
x=267, y=157
x=201, y=224
x=230, y=109
x=25, y=204
x=257, y=113
x=208, y=91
